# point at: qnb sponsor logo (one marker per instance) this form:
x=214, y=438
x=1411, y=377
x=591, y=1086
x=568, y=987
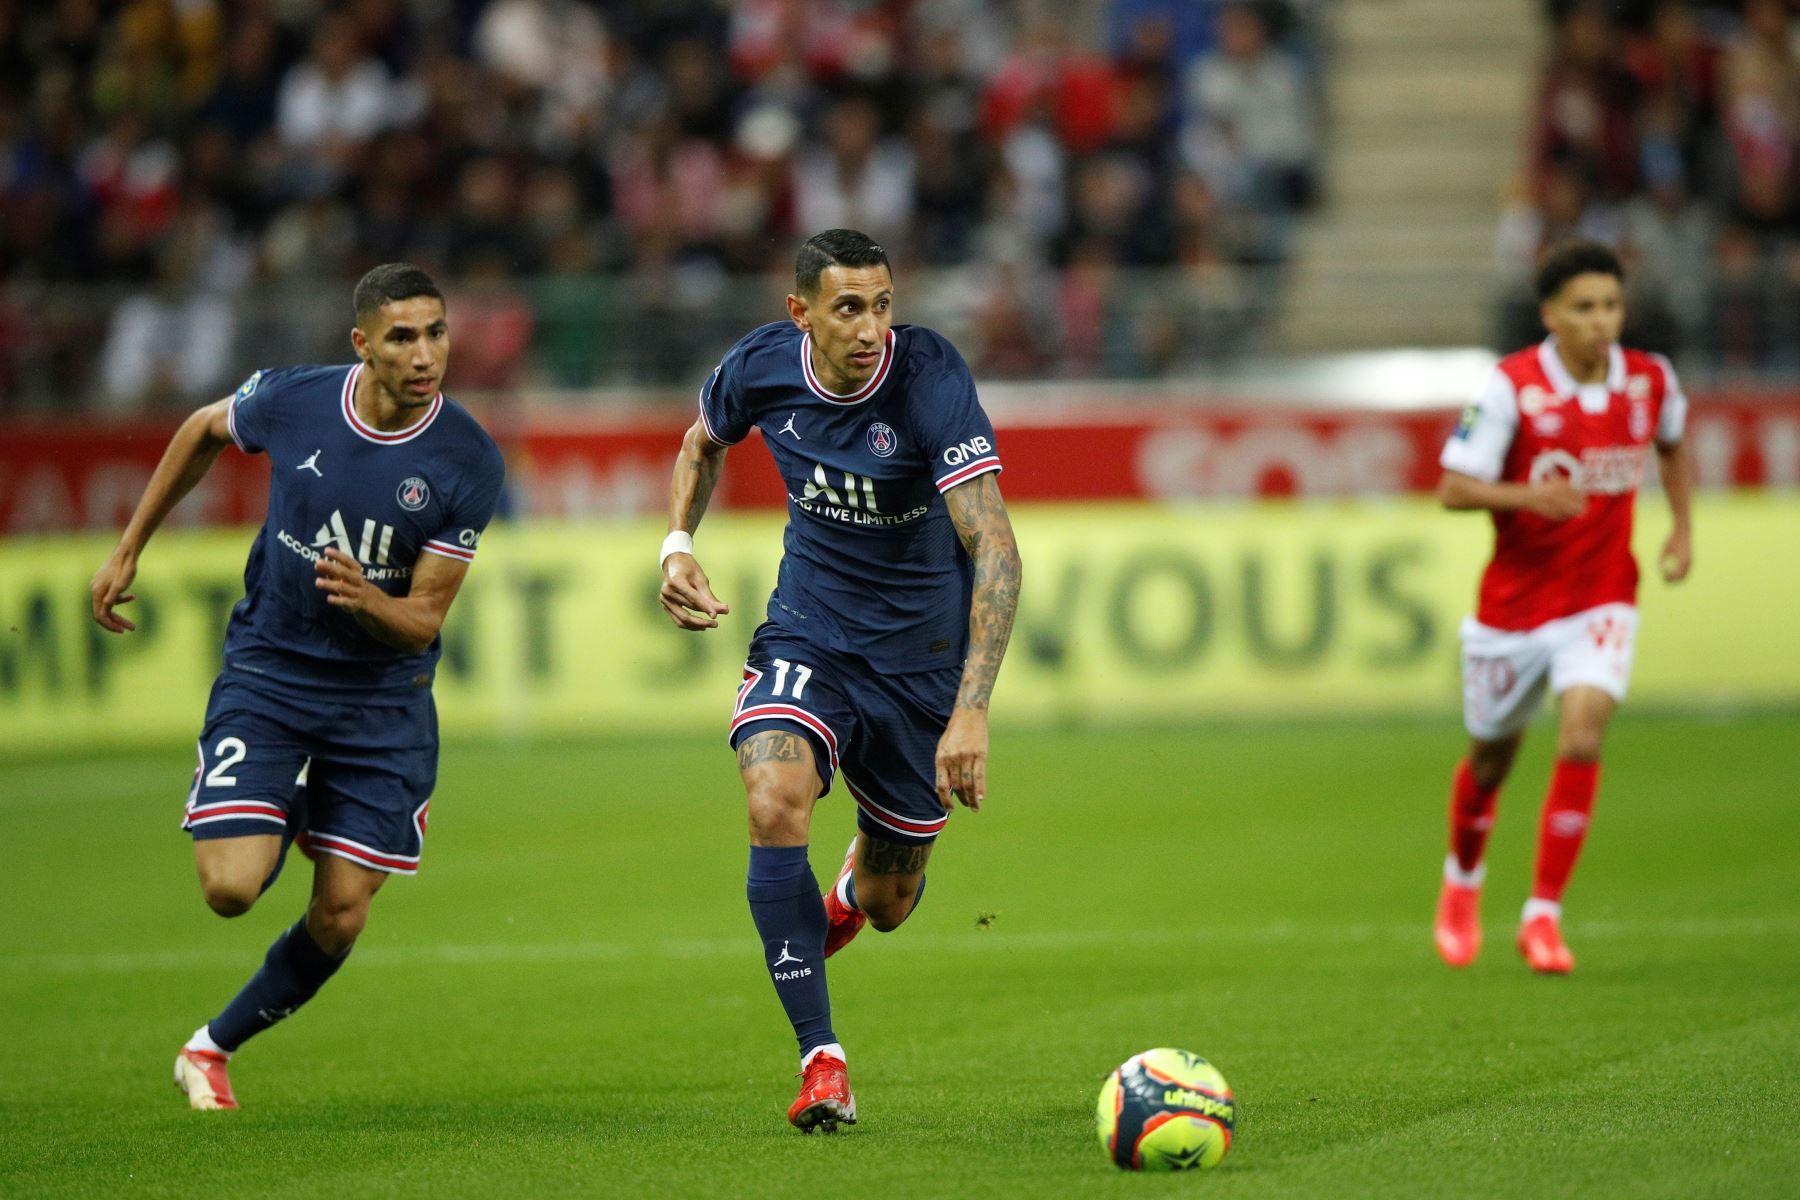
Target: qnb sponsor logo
x=962, y=452
x=1600, y=471
x=469, y=538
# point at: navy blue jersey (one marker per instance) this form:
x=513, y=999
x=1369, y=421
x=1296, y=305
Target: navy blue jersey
x=382, y=498
x=872, y=564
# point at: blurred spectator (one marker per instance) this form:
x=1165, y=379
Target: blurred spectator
x=1679, y=143
x=1676, y=73
x=329, y=105
x=1250, y=120
x=589, y=164
x=1172, y=32
x=1584, y=110
x=856, y=178
x=492, y=326
x=175, y=338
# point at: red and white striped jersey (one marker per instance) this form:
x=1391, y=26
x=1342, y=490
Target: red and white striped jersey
x=1532, y=421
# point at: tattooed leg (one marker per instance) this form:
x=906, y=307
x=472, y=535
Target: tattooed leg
x=781, y=784
x=773, y=746
x=890, y=878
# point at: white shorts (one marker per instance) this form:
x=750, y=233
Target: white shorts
x=1505, y=671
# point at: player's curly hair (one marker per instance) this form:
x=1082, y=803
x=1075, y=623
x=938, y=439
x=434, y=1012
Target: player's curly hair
x=1566, y=260
x=839, y=248
x=390, y=282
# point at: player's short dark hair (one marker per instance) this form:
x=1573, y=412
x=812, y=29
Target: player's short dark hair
x=835, y=248
x=1569, y=259
x=390, y=282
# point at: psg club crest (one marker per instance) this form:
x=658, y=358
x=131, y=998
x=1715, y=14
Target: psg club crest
x=413, y=493
x=883, y=441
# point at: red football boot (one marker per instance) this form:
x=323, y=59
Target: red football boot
x=825, y=1100
x=201, y=1075
x=1458, y=929
x=1540, y=941
x=845, y=922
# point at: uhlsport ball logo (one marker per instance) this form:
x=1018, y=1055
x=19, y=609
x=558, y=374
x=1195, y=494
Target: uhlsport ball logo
x=413, y=493
x=883, y=441
x=1166, y=1110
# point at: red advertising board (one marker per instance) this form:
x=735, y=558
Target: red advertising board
x=73, y=475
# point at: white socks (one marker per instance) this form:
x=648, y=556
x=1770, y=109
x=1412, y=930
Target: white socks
x=832, y=1048
x=1535, y=908
x=202, y=1040
x=1453, y=873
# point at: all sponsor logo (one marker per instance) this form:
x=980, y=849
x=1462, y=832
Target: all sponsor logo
x=883, y=441
x=413, y=493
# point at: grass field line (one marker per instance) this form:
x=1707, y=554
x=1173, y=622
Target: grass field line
x=527, y=953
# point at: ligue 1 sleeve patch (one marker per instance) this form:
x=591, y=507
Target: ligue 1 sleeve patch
x=1465, y=424
x=248, y=387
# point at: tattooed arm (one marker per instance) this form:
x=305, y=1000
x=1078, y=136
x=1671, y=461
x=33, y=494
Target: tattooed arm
x=686, y=594
x=979, y=515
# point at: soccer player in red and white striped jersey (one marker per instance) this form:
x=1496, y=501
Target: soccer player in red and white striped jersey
x=1554, y=448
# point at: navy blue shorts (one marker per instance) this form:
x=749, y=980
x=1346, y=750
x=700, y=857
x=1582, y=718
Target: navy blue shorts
x=879, y=731
x=351, y=778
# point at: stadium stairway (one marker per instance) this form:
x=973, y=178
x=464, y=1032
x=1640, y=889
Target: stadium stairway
x=1426, y=107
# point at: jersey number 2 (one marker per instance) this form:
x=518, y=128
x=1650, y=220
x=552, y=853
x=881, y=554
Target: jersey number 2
x=230, y=752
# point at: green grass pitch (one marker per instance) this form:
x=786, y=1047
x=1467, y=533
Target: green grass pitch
x=569, y=998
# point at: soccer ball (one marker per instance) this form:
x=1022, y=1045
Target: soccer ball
x=1165, y=1110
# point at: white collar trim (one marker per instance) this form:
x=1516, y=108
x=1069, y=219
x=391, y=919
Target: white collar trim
x=380, y=437
x=1564, y=383
x=863, y=393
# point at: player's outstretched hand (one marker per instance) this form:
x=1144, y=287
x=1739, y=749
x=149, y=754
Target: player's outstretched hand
x=1557, y=499
x=342, y=580
x=962, y=759
x=108, y=590
x=687, y=596
x=1677, y=557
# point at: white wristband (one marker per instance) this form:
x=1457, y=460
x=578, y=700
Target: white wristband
x=678, y=542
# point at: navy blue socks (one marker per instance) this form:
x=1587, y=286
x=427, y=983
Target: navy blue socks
x=293, y=970
x=790, y=917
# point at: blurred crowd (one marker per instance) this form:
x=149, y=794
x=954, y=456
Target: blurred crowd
x=1671, y=130
x=596, y=180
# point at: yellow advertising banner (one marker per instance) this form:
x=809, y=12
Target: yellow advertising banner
x=1130, y=613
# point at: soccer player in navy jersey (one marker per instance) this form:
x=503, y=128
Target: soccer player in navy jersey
x=896, y=594
x=321, y=725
